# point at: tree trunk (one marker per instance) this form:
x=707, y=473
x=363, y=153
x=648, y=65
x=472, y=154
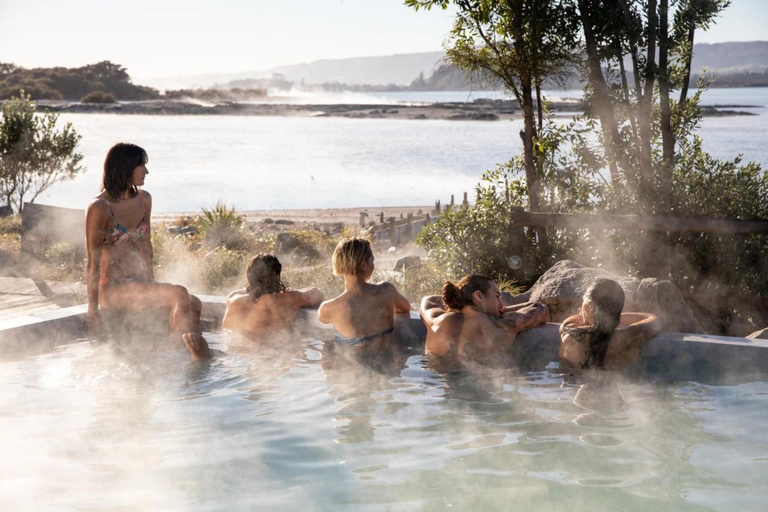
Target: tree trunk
x=667, y=134
x=645, y=120
x=602, y=96
x=539, y=107
x=688, y=60
x=529, y=124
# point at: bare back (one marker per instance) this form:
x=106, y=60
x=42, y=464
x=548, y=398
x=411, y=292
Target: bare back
x=363, y=311
x=624, y=347
x=471, y=334
x=270, y=314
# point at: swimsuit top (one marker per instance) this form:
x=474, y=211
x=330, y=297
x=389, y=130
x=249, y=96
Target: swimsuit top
x=343, y=340
x=119, y=234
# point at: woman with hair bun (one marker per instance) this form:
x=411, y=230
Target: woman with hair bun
x=470, y=321
x=600, y=335
x=120, y=271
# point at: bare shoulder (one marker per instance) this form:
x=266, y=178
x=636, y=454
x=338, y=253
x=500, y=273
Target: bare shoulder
x=448, y=320
x=98, y=204
x=146, y=196
x=386, y=285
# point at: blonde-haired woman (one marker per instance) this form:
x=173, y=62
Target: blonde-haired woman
x=364, y=315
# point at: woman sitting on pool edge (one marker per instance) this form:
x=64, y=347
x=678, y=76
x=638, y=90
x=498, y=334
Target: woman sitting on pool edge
x=120, y=271
x=364, y=315
x=265, y=308
x=470, y=321
x=601, y=336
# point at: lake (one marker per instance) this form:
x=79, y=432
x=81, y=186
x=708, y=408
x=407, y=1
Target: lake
x=301, y=162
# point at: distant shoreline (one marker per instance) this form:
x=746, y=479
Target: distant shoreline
x=478, y=110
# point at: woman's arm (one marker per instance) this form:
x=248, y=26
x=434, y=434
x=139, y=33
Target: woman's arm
x=640, y=327
x=311, y=296
x=324, y=312
x=400, y=303
x=431, y=309
x=528, y=317
x=94, y=241
x=150, y=255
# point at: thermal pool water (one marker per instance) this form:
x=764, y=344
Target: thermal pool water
x=88, y=427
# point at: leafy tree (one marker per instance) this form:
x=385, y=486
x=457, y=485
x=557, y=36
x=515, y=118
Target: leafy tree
x=633, y=150
x=34, y=154
x=517, y=45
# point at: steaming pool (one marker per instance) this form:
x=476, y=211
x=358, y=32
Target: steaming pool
x=88, y=427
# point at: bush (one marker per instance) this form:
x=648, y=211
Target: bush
x=34, y=154
x=221, y=270
x=98, y=97
x=221, y=226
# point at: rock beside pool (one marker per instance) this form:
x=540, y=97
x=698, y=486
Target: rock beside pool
x=562, y=287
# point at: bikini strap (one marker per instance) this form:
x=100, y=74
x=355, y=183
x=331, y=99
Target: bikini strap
x=109, y=205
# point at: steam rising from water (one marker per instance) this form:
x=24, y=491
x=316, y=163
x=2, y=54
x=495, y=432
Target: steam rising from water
x=303, y=428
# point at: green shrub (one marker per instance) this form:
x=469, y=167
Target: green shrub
x=98, y=97
x=221, y=270
x=221, y=226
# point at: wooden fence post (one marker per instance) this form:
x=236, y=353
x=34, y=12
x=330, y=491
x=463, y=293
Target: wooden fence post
x=392, y=230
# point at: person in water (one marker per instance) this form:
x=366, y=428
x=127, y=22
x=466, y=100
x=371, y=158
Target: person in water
x=362, y=316
x=265, y=308
x=470, y=321
x=119, y=251
x=600, y=335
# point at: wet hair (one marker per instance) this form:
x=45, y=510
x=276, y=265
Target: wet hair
x=457, y=296
x=263, y=276
x=608, y=298
x=349, y=255
x=122, y=159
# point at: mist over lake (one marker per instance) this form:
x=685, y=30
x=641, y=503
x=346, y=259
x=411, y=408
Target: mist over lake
x=300, y=162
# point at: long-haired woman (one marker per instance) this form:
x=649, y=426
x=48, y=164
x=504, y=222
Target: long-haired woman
x=601, y=335
x=120, y=271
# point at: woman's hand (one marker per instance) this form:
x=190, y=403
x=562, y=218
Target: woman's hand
x=93, y=321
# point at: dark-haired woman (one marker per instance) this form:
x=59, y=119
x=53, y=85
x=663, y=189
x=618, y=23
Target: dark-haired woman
x=601, y=336
x=120, y=274
x=470, y=321
x=265, y=308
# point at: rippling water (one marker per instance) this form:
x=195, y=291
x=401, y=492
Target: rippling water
x=297, y=162
x=300, y=429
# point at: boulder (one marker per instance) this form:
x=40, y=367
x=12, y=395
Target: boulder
x=407, y=262
x=288, y=245
x=562, y=288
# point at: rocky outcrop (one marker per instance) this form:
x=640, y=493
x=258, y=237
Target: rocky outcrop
x=562, y=287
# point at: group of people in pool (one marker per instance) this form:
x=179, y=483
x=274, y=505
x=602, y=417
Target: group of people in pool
x=468, y=321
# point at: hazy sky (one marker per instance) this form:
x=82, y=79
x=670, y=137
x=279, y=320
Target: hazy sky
x=156, y=38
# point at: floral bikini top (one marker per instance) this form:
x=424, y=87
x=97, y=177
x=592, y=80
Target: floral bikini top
x=119, y=234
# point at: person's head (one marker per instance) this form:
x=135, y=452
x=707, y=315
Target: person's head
x=474, y=290
x=601, y=310
x=602, y=304
x=124, y=170
x=353, y=257
x=263, y=275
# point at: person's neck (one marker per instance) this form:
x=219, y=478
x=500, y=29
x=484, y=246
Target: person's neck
x=128, y=194
x=470, y=311
x=353, y=282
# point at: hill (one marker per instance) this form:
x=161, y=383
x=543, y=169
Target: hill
x=402, y=69
x=71, y=83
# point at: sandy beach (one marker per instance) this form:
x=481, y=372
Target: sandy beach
x=314, y=218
